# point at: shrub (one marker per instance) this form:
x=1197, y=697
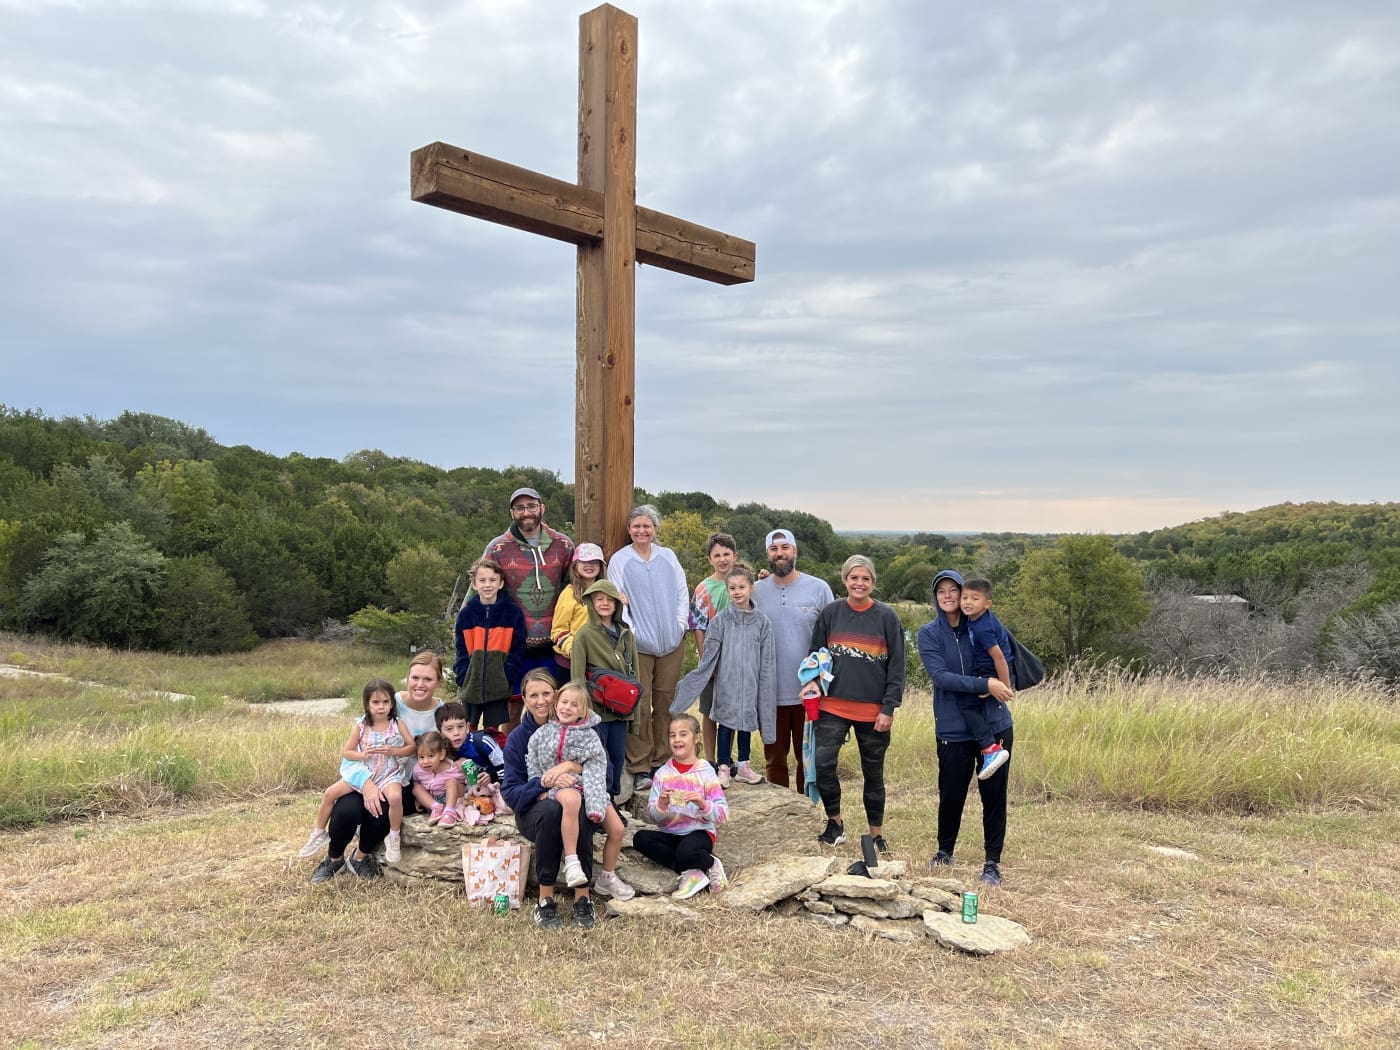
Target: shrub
x=402, y=632
x=100, y=590
x=201, y=610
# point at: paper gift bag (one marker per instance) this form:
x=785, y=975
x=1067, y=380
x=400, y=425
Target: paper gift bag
x=493, y=866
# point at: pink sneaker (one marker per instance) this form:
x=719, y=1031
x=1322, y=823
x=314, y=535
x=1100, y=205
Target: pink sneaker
x=435, y=814
x=747, y=774
x=723, y=777
x=448, y=818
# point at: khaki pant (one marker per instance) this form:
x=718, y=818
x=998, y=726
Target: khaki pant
x=650, y=746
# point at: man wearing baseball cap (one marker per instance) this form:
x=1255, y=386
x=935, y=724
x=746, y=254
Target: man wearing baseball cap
x=791, y=600
x=536, y=562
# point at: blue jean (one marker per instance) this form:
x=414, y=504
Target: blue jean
x=614, y=738
x=724, y=737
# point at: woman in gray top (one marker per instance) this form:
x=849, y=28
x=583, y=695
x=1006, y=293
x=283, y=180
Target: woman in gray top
x=658, y=611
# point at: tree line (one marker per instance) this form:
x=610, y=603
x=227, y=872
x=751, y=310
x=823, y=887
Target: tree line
x=144, y=531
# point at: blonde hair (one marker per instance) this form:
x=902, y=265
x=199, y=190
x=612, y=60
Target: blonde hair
x=427, y=658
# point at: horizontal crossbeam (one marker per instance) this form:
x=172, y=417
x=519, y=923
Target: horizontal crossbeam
x=476, y=185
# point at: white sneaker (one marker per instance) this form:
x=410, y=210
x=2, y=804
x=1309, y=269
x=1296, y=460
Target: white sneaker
x=391, y=848
x=724, y=776
x=611, y=884
x=319, y=837
x=573, y=873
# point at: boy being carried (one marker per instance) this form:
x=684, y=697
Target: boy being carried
x=991, y=658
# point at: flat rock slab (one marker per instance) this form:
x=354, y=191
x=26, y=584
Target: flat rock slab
x=835, y=919
x=887, y=929
x=11, y=671
x=765, y=884
x=939, y=898
x=655, y=909
x=989, y=935
x=857, y=886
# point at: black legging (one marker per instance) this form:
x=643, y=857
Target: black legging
x=693, y=851
x=957, y=766
x=349, y=815
x=540, y=824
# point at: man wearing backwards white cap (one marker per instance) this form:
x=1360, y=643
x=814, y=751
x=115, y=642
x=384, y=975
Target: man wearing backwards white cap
x=791, y=600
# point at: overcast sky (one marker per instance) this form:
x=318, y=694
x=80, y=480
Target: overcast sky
x=1037, y=266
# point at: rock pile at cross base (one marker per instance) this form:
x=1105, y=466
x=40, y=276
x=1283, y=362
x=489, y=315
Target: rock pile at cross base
x=767, y=847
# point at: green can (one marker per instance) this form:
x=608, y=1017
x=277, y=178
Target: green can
x=469, y=771
x=500, y=905
x=969, y=913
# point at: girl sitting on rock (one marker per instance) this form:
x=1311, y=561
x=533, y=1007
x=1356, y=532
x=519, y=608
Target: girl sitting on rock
x=437, y=781
x=688, y=806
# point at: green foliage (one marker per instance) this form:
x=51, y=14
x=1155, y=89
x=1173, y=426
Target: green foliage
x=403, y=632
x=685, y=532
x=201, y=610
x=100, y=590
x=421, y=579
x=1077, y=599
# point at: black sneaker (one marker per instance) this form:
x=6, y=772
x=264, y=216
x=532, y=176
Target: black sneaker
x=328, y=869
x=584, y=916
x=881, y=847
x=547, y=915
x=367, y=868
x=834, y=834
x=941, y=859
x=991, y=874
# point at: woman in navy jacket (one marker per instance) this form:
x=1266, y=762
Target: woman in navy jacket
x=945, y=647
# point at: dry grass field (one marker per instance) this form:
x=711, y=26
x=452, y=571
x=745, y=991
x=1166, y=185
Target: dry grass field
x=152, y=905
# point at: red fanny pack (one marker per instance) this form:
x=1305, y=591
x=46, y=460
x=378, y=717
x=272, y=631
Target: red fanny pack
x=614, y=691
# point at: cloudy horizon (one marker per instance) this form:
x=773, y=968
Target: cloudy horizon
x=1062, y=267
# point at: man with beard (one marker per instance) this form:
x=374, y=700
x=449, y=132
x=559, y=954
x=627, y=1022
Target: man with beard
x=535, y=559
x=791, y=600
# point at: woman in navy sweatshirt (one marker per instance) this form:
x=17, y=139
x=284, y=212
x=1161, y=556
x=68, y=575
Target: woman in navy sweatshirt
x=945, y=647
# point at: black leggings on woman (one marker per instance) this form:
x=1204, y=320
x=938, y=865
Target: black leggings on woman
x=681, y=853
x=540, y=824
x=349, y=815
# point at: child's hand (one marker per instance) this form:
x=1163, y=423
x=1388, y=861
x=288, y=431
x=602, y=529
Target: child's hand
x=483, y=780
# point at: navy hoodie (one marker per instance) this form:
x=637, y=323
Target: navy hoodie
x=947, y=655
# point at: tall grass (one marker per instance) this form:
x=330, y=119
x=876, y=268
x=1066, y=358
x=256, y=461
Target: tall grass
x=289, y=669
x=1103, y=737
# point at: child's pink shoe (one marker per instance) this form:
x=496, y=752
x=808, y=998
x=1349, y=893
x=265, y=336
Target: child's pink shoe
x=447, y=818
x=435, y=814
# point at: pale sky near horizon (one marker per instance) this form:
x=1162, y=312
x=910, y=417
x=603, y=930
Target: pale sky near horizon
x=1027, y=267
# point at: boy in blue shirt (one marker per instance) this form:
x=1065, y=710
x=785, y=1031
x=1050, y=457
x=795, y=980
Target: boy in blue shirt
x=992, y=658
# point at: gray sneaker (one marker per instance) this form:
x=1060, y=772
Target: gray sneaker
x=328, y=869
x=368, y=868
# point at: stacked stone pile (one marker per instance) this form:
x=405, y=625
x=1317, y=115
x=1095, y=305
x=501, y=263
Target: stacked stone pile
x=767, y=847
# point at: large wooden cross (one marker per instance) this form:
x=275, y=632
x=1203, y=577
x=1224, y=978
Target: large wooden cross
x=600, y=215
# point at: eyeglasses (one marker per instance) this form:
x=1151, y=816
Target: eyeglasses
x=525, y=507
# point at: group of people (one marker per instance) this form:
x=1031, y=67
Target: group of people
x=542, y=612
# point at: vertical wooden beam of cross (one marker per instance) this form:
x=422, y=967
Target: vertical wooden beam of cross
x=600, y=215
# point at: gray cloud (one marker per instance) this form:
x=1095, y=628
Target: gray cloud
x=1104, y=264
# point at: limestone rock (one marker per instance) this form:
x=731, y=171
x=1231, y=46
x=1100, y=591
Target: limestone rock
x=819, y=906
x=939, y=898
x=887, y=929
x=987, y=936
x=889, y=869
x=857, y=886
x=764, y=884
x=900, y=907
x=834, y=919
x=657, y=909
x=787, y=908
x=951, y=885
x=431, y=852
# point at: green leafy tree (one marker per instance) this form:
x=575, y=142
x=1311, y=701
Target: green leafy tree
x=106, y=589
x=685, y=532
x=421, y=579
x=1078, y=598
x=201, y=610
